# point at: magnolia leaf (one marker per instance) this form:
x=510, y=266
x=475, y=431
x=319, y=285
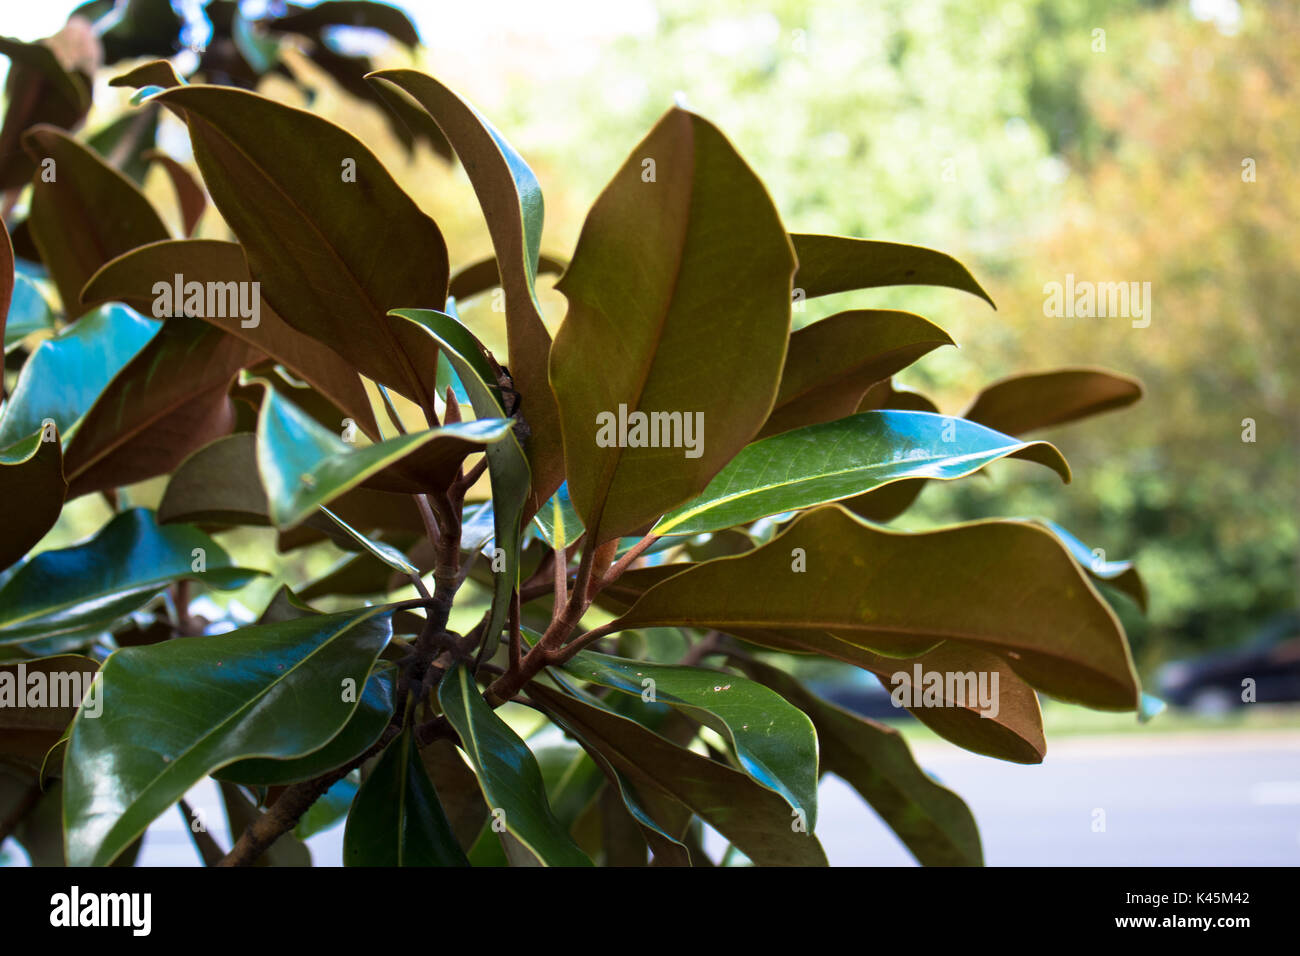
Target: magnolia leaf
x=85, y=214
x=364, y=727
x=64, y=376
x=484, y=275
x=832, y=363
x=353, y=227
x=1121, y=575
x=32, y=489
x=1005, y=587
x=511, y=199
x=132, y=277
x=189, y=194
x=679, y=305
x=168, y=401
x=775, y=743
x=396, y=818
x=758, y=821
x=830, y=264
x=1024, y=403
x=38, y=89
x=91, y=585
x=932, y=821
x=507, y=772
x=557, y=521
x=29, y=311
x=303, y=465
x=183, y=709
x=833, y=460
x=348, y=13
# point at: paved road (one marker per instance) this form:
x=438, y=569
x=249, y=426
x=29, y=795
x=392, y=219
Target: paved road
x=1169, y=800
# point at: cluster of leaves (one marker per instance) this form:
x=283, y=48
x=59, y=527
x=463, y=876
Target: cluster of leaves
x=359, y=410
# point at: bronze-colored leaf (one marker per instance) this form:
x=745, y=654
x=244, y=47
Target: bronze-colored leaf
x=325, y=228
x=85, y=214
x=679, y=304
x=1006, y=587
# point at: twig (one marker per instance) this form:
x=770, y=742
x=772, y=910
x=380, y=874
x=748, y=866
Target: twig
x=622, y=564
x=560, y=581
x=203, y=841
x=516, y=638
x=710, y=643
x=282, y=815
x=466, y=481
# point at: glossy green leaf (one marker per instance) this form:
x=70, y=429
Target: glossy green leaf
x=1024, y=403
x=932, y=821
x=396, y=819
x=507, y=466
x=775, y=743
x=32, y=489
x=1005, y=587
x=285, y=605
x=558, y=521
x=168, y=401
x=91, y=585
x=1150, y=708
x=64, y=375
x=348, y=263
x=130, y=278
x=378, y=549
x=179, y=710
x=303, y=465
x=88, y=214
x=830, y=264
x=507, y=772
x=219, y=484
x=753, y=817
x=679, y=302
x=511, y=199
x=833, y=460
x=362, y=574
x=29, y=311
x=373, y=713
x=573, y=781
x=889, y=501
x=832, y=363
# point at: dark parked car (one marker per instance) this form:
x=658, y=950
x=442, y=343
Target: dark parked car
x=861, y=693
x=1213, y=683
